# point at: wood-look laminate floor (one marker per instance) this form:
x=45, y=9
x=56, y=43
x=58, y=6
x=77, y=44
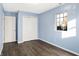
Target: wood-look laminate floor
x=33, y=48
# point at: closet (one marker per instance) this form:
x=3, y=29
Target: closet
x=30, y=28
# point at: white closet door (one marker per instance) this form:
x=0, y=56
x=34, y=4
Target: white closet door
x=10, y=29
x=29, y=28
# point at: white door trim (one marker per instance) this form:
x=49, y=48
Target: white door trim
x=1, y=50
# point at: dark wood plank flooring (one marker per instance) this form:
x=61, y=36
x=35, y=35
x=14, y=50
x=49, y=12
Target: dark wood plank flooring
x=33, y=48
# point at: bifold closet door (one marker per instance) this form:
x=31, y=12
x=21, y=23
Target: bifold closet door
x=29, y=28
x=10, y=29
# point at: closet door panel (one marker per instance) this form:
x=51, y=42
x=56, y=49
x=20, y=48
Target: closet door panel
x=10, y=29
x=29, y=28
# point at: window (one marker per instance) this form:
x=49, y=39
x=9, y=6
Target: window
x=61, y=21
x=71, y=29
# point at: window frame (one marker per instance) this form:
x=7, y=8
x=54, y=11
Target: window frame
x=65, y=14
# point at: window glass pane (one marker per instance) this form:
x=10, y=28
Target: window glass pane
x=58, y=24
x=61, y=15
x=65, y=20
x=61, y=20
x=65, y=14
x=58, y=20
x=58, y=15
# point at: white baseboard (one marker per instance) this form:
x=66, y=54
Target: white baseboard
x=8, y=41
x=61, y=47
x=20, y=42
x=25, y=41
x=0, y=51
x=30, y=40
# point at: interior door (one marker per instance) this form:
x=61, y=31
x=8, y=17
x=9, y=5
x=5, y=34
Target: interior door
x=10, y=29
x=29, y=28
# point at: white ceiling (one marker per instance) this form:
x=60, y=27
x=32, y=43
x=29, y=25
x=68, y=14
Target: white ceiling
x=29, y=7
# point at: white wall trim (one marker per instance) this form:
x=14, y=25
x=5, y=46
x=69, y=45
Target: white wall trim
x=20, y=42
x=9, y=42
x=61, y=47
x=1, y=50
x=25, y=41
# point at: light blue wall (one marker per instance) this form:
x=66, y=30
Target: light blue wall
x=77, y=17
x=7, y=13
x=1, y=26
x=19, y=22
x=47, y=25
